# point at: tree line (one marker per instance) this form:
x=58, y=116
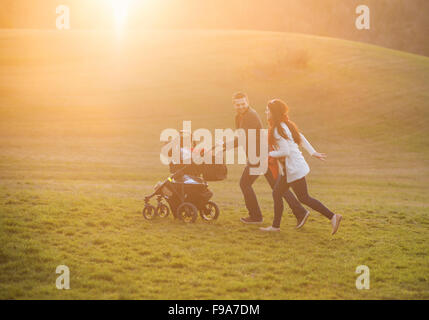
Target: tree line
x=397, y=24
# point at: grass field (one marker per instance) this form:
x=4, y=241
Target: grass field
x=80, y=117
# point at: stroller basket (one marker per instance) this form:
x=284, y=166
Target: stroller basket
x=209, y=172
x=214, y=172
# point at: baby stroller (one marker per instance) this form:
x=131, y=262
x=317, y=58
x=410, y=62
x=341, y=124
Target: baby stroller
x=186, y=193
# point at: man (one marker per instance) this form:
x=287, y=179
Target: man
x=247, y=118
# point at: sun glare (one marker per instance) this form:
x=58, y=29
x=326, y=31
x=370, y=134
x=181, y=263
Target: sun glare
x=120, y=10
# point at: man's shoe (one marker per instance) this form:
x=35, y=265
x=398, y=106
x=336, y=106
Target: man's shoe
x=303, y=220
x=270, y=229
x=250, y=220
x=336, y=219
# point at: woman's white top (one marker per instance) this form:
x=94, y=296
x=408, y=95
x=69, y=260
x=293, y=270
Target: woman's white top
x=296, y=166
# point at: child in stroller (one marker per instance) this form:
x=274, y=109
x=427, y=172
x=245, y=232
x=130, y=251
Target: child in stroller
x=186, y=193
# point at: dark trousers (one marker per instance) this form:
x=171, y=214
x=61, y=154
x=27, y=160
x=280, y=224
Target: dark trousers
x=251, y=201
x=301, y=191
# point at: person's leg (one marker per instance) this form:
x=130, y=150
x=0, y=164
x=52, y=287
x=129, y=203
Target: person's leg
x=250, y=199
x=297, y=209
x=279, y=189
x=301, y=190
x=270, y=179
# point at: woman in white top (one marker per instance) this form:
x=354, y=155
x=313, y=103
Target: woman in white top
x=285, y=139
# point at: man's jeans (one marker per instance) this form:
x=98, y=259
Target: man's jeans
x=251, y=201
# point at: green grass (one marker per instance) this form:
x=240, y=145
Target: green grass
x=80, y=118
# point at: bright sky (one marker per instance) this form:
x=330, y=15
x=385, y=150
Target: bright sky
x=121, y=9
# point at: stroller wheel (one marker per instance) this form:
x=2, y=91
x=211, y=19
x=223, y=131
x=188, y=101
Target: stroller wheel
x=149, y=212
x=187, y=212
x=162, y=211
x=210, y=211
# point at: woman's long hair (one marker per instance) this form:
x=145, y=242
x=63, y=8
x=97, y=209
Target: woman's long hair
x=279, y=113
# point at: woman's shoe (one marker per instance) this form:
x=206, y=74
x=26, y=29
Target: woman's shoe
x=301, y=222
x=335, y=221
x=270, y=229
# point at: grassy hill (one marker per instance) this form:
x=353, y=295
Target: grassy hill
x=80, y=117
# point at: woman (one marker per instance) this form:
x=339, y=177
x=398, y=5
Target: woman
x=285, y=138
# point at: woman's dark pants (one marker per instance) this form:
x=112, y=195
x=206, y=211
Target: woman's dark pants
x=301, y=191
x=251, y=201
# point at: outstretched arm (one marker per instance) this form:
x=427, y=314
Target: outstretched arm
x=306, y=145
x=309, y=148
